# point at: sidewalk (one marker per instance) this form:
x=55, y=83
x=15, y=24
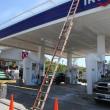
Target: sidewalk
x=4, y=105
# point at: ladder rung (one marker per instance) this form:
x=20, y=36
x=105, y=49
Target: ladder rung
x=46, y=79
x=73, y=8
x=75, y=1
x=74, y=5
x=46, y=84
x=63, y=36
x=66, y=26
x=50, y=78
x=62, y=40
x=41, y=100
x=37, y=108
x=64, y=30
x=71, y=12
x=42, y=92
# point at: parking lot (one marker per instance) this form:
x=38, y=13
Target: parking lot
x=71, y=97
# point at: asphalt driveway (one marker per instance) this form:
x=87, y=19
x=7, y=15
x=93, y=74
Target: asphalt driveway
x=70, y=97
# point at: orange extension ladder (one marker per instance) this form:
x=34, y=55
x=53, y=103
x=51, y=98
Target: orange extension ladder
x=61, y=44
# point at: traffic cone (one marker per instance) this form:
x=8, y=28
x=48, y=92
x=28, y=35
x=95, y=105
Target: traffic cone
x=11, y=106
x=56, y=104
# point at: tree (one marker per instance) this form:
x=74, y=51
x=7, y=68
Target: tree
x=61, y=68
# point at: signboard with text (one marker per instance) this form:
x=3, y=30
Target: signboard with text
x=50, y=15
x=90, y=4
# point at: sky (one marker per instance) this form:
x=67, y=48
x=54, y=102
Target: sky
x=12, y=8
x=79, y=61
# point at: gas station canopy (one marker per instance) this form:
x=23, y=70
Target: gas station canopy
x=43, y=29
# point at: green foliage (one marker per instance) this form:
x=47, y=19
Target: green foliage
x=61, y=67
x=83, y=69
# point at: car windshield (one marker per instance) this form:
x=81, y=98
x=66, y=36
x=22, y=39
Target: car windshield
x=106, y=77
x=57, y=74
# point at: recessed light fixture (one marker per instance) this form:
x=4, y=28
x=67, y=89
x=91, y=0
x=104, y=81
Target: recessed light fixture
x=42, y=39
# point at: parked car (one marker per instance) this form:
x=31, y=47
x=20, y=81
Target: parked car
x=59, y=77
x=102, y=89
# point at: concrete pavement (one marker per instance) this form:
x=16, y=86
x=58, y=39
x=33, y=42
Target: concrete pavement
x=71, y=97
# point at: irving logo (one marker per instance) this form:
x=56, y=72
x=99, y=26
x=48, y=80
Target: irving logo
x=24, y=55
x=99, y=2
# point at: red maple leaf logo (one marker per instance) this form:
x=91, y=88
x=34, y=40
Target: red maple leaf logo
x=24, y=55
x=104, y=3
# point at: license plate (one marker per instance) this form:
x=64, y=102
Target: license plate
x=107, y=96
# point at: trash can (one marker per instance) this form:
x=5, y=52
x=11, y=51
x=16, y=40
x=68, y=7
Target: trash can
x=3, y=90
